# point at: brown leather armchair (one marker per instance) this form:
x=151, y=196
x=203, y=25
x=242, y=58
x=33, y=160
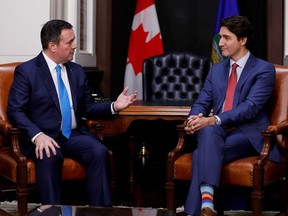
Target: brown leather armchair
x=253, y=172
x=16, y=167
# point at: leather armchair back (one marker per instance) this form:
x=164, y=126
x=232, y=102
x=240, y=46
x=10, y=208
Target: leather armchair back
x=279, y=102
x=6, y=78
x=174, y=76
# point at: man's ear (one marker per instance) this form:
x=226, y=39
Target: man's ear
x=52, y=47
x=243, y=41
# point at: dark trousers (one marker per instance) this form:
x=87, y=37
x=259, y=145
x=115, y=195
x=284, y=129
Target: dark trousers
x=215, y=147
x=90, y=152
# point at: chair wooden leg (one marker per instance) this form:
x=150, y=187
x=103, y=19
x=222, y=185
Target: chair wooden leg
x=170, y=185
x=170, y=193
x=22, y=198
x=22, y=190
x=257, y=202
x=284, y=197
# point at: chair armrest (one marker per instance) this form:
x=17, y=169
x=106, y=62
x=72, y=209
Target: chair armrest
x=277, y=129
x=10, y=138
x=14, y=143
x=270, y=135
x=180, y=147
x=95, y=127
x=94, y=124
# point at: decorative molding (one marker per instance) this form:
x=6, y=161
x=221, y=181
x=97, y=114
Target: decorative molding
x=56, y=9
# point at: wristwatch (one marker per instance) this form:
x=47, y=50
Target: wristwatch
x=217, y=120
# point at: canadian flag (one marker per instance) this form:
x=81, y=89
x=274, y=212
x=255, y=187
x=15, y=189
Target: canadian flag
x=145, y=41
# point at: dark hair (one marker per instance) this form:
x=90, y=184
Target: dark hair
x=51, y=32
x=240, y=26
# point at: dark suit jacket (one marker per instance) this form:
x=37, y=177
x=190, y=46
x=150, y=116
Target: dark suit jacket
x=33, y=103
x=252, y=94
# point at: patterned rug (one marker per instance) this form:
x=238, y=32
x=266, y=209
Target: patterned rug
x=11, y=209
x=179, y=212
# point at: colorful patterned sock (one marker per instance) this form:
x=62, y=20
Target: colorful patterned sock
x=207, y=193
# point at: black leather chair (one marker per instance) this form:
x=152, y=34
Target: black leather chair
x=174, y=76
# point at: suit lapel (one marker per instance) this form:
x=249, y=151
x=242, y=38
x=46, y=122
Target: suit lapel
x=222, y=78
x=246, y=72
x=47, y=80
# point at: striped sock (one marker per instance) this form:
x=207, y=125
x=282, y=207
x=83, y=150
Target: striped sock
x=207, y=194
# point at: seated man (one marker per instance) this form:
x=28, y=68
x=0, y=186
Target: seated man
x=238, y=90
x=48, y=98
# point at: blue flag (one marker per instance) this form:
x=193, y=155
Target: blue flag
x=226, y=9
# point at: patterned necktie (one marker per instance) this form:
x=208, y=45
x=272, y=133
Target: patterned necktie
x=232, y=82
x=65, y=104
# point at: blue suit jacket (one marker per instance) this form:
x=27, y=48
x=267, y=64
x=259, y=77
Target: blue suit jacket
x=252, y=94
x=33, y=103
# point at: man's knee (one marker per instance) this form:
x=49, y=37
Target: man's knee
x=210, y=129
x=52, y=159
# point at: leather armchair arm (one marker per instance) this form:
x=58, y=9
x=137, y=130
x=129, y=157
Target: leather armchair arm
x=18, y=156
x=95, y=127
x=10, y=137
x=277, y=129
x=180, y=147
x=270, y=135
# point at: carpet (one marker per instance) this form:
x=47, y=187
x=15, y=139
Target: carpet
x=11, y=208
x=179, y=210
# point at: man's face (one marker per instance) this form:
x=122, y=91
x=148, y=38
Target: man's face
x=65, y=49
x=230, y=45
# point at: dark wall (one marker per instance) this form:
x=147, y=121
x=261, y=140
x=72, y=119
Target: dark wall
x=186, y=25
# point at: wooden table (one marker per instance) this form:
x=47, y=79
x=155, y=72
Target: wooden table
x=143, y=110
x=146, y=110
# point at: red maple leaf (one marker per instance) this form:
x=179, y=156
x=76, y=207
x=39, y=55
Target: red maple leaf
x=139, y=49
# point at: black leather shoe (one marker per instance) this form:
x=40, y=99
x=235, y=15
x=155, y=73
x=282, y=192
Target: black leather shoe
x=207, y=212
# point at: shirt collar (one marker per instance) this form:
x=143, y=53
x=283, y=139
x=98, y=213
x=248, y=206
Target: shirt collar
x=51, y=64
x=241, y=62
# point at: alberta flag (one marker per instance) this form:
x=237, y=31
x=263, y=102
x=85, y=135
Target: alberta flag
x=226, y=9
x=145, y=41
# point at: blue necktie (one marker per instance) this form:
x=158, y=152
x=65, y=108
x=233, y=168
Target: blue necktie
x=66, y=210
x=65, y=105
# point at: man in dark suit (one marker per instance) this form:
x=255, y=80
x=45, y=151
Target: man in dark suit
x=239, y=114
x=52, y=129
